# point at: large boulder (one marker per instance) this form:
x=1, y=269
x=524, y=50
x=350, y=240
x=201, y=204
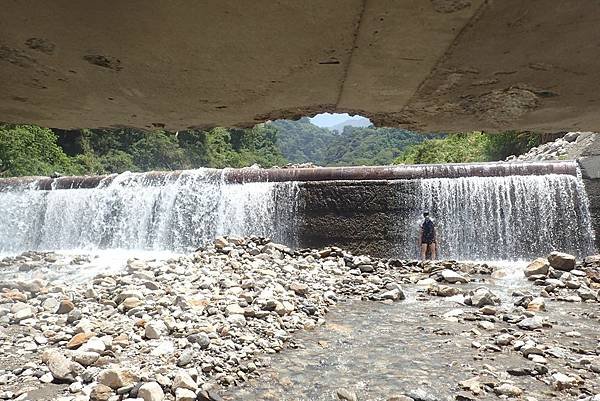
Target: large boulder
x=561, y=261
x=540, y=266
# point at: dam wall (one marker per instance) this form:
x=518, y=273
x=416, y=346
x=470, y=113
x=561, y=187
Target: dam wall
x=485, y=211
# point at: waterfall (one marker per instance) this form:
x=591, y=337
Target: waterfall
x=507, y=218
x=135, y=211
x=504, y=217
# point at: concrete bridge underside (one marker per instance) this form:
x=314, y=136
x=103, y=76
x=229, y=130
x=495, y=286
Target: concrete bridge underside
x=427, y=65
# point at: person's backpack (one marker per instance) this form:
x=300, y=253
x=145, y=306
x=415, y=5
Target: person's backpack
x=428, y=229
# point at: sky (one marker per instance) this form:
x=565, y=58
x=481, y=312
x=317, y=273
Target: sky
x=325, y=120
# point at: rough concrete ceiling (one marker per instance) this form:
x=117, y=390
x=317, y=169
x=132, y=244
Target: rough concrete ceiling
x=429, y=65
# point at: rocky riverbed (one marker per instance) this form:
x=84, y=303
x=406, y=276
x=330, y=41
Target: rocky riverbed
x=210, y=325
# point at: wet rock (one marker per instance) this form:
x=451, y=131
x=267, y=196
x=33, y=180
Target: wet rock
x=504, y=339
x=452, y=277
x=346, y=395
x=539, y=266
x=151, y=391
x=561, y=261
x=394, y=295
x=443, y=290
x=531, y=323
x=482, y=297
x=536, y=305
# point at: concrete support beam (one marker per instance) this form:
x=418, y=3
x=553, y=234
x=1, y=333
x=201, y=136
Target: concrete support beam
x=427, y=65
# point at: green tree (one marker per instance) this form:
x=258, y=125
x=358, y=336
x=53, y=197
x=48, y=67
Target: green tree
x=117, y=161
x=469, y=147
x=32, y=150
x=158, y=150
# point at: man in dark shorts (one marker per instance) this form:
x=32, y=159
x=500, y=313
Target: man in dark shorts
x=427, y=237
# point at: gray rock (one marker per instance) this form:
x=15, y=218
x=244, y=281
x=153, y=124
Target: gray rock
x=482, y=296
x=531, y=323
x=155, y=329
x=185, y=358
x=453, y=277
x=561, y=261
x=394, y=295
x=85, y=358
x=540, y=266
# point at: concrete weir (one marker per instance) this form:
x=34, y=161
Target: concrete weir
x=374, y=210
x=354, y=173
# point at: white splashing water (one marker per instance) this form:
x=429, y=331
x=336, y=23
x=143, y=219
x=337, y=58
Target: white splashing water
x=508, y=218
x=133, y=211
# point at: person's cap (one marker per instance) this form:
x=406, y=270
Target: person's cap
x=425, y=212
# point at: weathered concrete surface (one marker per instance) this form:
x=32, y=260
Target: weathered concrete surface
x=429, y=65
x=357, y=215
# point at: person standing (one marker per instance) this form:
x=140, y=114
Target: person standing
x=427, y=242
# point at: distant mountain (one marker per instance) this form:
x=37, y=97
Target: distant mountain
x=353, y=122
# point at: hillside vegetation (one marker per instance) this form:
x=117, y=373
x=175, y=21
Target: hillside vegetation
x=301, y=142
x=32, y=150
x=467, y=148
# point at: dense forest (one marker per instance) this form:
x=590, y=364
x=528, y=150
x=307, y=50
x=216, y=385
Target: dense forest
x=300, y=142
x=32, y=150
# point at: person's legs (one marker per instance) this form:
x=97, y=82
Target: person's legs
x=433, y=251
x=423, y=251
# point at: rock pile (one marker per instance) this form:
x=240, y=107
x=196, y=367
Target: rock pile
x=568, y=147
x=562, y=278
x=176, y=328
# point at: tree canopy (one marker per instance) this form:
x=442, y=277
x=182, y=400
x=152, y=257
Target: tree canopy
x=32, y=150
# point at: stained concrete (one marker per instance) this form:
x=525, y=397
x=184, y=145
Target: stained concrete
x=428, y=65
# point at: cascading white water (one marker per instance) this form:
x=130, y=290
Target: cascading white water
x=132, y=211
x=508, y=218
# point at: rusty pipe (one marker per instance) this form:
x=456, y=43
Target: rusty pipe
x=354, y=173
